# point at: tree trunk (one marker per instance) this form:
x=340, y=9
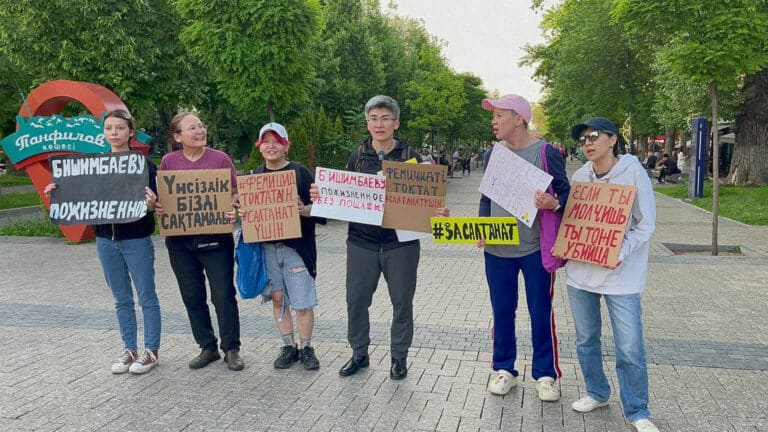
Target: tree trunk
x=715, y=164
x=750, y=155
x=669, y=141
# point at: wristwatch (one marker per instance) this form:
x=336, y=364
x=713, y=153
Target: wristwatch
x=557, y=208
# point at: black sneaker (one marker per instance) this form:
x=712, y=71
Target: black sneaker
x=289, y=354
x=309, y=359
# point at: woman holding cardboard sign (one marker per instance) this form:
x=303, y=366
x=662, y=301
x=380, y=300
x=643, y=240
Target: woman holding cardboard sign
x=193, y=257
x=620, y=285
x=291, y=263
x=127, y=254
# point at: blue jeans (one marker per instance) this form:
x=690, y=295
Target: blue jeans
x=123, y=261
x=626, y=321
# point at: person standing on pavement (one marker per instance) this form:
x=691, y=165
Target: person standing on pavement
x=373, y=250
x=127, y=254
x=619, y=286
x=193, y=257
x=511, y=116
x=292, y=263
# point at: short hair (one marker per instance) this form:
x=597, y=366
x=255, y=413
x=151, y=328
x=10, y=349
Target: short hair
x=382, y=101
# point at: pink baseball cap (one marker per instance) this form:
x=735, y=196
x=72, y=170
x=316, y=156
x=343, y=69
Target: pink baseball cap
x=512, y=102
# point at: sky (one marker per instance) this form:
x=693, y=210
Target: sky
x=484, y=37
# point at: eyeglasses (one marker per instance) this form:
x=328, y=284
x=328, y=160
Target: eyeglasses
x=591, y=137
x=196, y=128
x=379, y=120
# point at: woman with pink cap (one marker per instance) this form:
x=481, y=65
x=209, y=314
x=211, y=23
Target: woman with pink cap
x=511, y=117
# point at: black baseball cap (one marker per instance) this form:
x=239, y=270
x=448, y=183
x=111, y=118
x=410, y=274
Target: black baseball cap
x=596, y=123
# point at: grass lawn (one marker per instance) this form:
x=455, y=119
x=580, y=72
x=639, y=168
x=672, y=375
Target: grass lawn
x=14, y=179
x=744, y=204
x=15, y=200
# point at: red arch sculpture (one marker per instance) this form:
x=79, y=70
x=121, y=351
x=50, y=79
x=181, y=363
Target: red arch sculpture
x=51, y=98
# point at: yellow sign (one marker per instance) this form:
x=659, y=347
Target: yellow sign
x=494, y=230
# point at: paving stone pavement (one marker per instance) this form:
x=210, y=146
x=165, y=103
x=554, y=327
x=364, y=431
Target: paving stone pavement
x=705, y=325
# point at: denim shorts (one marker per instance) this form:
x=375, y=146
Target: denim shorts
x=286, y=272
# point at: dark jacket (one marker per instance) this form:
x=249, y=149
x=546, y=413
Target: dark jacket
x=132, y=230
x=365, y=160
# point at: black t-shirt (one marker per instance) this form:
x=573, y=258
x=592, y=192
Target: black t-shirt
x=305, y=246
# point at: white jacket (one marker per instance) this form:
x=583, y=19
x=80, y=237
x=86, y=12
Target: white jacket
x=630, y=276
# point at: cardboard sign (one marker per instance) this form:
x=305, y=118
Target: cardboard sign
x=594, y=222
x=494, y=230
x=350, y=196
x=414, y=191
x=269, y=206
x=98, y=189
x=195, y=201
x=511, y=182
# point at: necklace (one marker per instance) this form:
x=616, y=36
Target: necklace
x=614, y=160
x=194, y=156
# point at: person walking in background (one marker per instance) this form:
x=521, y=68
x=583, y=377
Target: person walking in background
x=193, y=257
x=127, y=254
x=619, y=286
x=373, y=250
x=291, y=263
x=511, y=116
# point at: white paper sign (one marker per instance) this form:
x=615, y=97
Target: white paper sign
x=511, y=182
x=350, y=196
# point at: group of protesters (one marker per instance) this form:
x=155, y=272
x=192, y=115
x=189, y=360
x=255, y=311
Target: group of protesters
x=127, y=256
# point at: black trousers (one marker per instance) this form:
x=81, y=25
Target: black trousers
x=191, y=263
x=364, y=268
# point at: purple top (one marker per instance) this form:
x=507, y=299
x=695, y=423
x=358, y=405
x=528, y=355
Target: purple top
x=211, y=159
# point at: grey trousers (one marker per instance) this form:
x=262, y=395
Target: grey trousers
x=364, y=267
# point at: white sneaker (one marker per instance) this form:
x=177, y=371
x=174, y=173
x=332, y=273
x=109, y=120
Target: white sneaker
x=143, y=364
x=124, y=362
x=547, y=390
x=587, y=404
x=501, y=383
x=644, y=425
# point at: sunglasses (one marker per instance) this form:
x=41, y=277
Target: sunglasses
x=591, y=137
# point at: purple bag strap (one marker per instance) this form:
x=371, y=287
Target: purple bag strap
x=546, y=169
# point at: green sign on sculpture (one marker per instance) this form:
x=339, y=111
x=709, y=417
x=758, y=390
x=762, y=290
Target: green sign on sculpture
x=82, y=134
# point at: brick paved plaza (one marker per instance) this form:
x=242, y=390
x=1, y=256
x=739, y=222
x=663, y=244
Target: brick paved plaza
x=705, y=318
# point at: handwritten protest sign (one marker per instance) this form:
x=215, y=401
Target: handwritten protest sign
x=594, y=222
x=350, y=196
x=494, y=230
x=195, y=201
x=414, y=191
x=269, y=206
x=511, y=182
x=98, y=188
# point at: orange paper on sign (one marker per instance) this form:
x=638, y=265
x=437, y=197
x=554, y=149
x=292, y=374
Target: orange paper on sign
x=594, y=222
x=269, y=206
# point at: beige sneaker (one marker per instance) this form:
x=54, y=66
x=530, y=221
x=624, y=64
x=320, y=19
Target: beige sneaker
x=587, y=404
x=501, y=383
x=546, y=388
x=125, y=361
x=644, y=425
x=147, y=361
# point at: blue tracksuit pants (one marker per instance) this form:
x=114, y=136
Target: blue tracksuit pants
x=502, y=276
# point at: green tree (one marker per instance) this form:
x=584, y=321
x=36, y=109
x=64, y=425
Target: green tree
x=588, y=69
x=712, y=43
x=256, y=50
x=349, y=71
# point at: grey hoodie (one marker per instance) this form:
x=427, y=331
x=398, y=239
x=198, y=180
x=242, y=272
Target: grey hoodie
x=630, y=276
